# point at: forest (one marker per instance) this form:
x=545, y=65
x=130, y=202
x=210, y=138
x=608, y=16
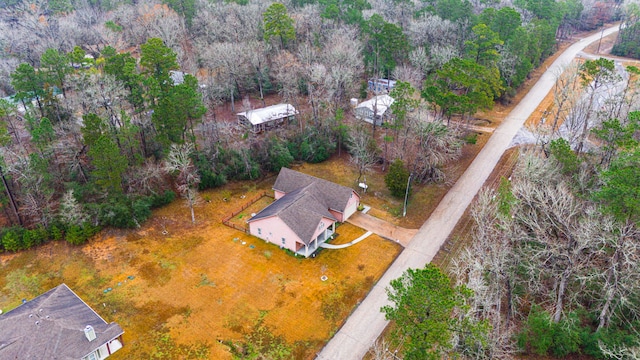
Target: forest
x=96, y=130
x=113, y=108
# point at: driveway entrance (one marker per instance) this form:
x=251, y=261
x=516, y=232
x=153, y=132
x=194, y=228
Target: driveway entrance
x=382, y=228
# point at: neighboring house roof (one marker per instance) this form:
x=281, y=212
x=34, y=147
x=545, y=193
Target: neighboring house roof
x=300, y=209
x=177, y=77
x=51, y=326
x=334, y=196
x=269, y=113
x=377, y=104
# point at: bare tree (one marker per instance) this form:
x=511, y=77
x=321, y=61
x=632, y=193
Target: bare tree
x=565, y=95
x=227, y=22
x=71, y=212
x=257, y=53
x=431, y=30
x=594, y=76
x=555, y=231
x=427, y=146
x=620, y=279
x=488, y=268
x=409, y=74
x=230, y=63
x=147, y=179
x=187, y=179
x=363, y=149
x=286, y=71
x=341, y=57
x=380, y=351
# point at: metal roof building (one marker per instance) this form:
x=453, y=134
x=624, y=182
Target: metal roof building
x=259, y=120
x=374, y=109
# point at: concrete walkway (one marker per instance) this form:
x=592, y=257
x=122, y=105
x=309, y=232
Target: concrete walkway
x=366, y=323
x=342, y=246
x=382, y=228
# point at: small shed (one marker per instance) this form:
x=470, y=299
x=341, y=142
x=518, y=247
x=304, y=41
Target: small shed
x=263, y=119
x=380, y=86
x=375, y=109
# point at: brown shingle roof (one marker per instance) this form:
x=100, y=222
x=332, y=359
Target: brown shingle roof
x=51, y=326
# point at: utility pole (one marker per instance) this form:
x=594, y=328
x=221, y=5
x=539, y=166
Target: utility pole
x=406, y=196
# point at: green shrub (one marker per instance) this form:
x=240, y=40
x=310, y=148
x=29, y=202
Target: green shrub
x=75, y=235
x=12, y=239
x=57, y=232
x=208, y=177
x=34, y=237
x=612, y=337
x=471, y=138
x=542, y=336
x=397, y=178
x=279, y=155
x=561, y=151
x=117, y=213
x=163, y=199
x=141, y=209
x=78, y=235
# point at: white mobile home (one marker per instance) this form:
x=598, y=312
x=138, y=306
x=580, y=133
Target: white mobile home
x=381, y=86
x=375, y=109
x=259, y=120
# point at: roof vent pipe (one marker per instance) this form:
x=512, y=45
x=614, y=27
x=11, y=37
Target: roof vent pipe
x=89, y=332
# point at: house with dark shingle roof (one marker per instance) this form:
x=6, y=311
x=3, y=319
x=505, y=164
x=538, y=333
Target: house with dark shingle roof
x=57, y=325
x=304, y=213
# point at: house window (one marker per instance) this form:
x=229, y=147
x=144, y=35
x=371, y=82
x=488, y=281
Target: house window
x=284, y=241
x=259, y=231
x=91, y=356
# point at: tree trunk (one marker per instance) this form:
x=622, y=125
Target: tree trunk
x=10, y=195
x=233, y=105
x=260, y=86
x=560, y=296
x=605, y=313
x=509, y=301
x=585, y=128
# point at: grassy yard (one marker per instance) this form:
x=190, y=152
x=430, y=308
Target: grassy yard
x=206, y=290
x=202, y=291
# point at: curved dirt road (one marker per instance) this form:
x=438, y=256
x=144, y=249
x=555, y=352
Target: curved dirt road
x=366, y=323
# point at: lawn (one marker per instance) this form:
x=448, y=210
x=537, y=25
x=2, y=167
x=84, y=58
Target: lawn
x=198, y=291
x=206, y=290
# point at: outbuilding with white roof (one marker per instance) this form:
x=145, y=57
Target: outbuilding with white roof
x=259, y=120
x=375, y=109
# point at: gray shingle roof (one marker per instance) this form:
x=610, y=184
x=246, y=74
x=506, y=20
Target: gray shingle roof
x=334, y=196
x=51, y=326
x=306, y=201
x=300, y=210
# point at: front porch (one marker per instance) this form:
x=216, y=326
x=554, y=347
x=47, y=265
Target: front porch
x=308, y=250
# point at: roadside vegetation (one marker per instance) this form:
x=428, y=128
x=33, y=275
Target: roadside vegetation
x=553, y=247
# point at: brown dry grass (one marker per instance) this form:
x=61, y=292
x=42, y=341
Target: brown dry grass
x=205, y=283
